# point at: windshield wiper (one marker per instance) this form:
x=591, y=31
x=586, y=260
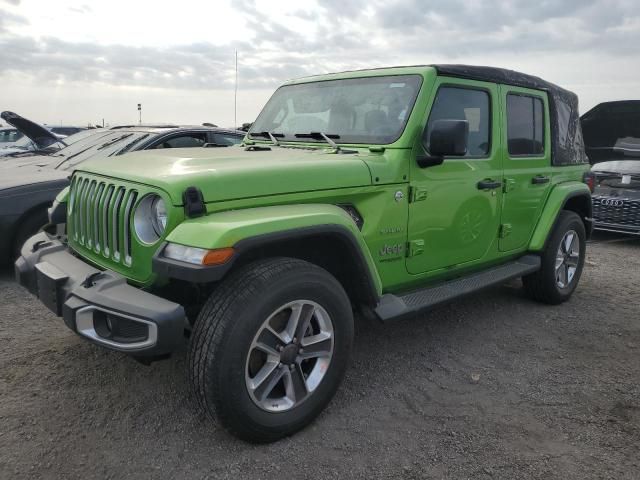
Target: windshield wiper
x=327, y=137
x=271, y=136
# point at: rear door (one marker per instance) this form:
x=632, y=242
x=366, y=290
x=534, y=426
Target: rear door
x=454, y=212
x=527, y=164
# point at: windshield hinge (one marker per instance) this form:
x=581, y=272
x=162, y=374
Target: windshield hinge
x=508, y=185
x=415, y=247
x=417, y=194
x=505, y=230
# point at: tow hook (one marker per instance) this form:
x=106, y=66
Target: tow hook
x=89, y=281
x=36, y=246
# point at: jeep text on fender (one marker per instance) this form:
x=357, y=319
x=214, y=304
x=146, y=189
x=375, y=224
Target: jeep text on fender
x=384, y=191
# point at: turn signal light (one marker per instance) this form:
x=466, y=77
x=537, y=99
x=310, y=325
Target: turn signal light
x=217, y=257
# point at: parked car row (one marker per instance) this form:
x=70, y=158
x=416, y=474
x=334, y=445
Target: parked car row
x=30, y=180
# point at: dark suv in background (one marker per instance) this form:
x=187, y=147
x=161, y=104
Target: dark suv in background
x=612, y=140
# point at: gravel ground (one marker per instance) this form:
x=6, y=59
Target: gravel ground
x=494, y=386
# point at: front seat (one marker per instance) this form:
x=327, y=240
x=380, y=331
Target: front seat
x=341, y=118
x=375, y=121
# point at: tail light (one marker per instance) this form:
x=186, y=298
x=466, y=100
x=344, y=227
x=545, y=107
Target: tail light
x=590, y=179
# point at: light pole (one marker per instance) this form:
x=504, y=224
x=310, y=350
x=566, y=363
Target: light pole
x=139, y=114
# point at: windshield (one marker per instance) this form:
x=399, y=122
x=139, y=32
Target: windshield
x=371, y=110
x=104, y=145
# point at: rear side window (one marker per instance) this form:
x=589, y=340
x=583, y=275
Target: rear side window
x=525, y=125
x=456, y=103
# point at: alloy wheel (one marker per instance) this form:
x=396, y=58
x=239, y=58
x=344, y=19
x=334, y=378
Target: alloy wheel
x=567, y=259
x=289, y=356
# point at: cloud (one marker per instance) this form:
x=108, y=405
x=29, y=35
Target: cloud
x=334, y=35
x=8, y=19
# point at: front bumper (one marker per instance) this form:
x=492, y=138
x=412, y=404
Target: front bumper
x=99, y=305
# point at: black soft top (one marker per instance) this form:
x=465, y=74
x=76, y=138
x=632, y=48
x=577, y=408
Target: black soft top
x=567, y=144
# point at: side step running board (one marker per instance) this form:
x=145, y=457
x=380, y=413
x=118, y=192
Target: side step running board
x=391, y=306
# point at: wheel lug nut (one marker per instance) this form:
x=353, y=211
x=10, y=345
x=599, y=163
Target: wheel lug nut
x=292, y=366
x=301, y=350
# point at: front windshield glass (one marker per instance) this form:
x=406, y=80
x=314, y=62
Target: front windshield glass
x=370, y=110
x=103, y=146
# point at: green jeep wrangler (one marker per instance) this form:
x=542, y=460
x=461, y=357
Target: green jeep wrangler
x=381, y=192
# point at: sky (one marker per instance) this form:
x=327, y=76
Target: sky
x=79, y=62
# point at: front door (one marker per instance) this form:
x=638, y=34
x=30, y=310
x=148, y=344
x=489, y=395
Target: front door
x=527, y=164
x=454, y=213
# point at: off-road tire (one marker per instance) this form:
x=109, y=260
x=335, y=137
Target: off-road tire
x=542, y=285
x=226, y=326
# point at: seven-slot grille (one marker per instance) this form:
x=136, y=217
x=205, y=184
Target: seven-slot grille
x=100, y=212
x=616, y=211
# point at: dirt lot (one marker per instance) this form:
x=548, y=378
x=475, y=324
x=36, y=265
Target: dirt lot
x=494, y=386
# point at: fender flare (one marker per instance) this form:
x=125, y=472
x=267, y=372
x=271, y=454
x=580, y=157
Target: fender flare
x=249, y=229
x=556, y=202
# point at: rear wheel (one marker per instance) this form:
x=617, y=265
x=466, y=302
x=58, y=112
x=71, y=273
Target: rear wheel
x=562, y=262
x=270, y=348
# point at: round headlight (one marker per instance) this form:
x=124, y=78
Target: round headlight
x=150, y=219
x=159, y=218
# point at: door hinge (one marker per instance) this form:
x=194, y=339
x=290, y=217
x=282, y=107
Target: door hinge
x=508, y=185
x=505, y=230
x=417, y=194
x=415, y=247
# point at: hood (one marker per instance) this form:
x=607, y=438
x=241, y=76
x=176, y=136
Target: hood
x=629, y=167
x=37, y=133
x=233, y=172
x=25, y=161
x=21, y=177
x=612, y=131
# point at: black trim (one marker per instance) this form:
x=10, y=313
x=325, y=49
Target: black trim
x=393, y=307
x=65, y=284
x=173, y=269
x=588, y=220
x=193, y=200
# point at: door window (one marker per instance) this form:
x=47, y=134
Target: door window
x=472, y=105
x=227, y=139
x=184, y=141
x=525, y=125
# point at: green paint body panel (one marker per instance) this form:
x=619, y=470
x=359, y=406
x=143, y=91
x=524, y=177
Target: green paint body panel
x=420, y=225
x=62, y=195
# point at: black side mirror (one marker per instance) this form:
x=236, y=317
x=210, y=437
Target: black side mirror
x=447, y=138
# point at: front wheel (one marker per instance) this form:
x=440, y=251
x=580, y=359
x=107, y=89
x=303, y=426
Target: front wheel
x=562, y=262
x=270, y=348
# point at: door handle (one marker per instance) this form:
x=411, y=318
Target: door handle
x=489, y=184
x=539, y=179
